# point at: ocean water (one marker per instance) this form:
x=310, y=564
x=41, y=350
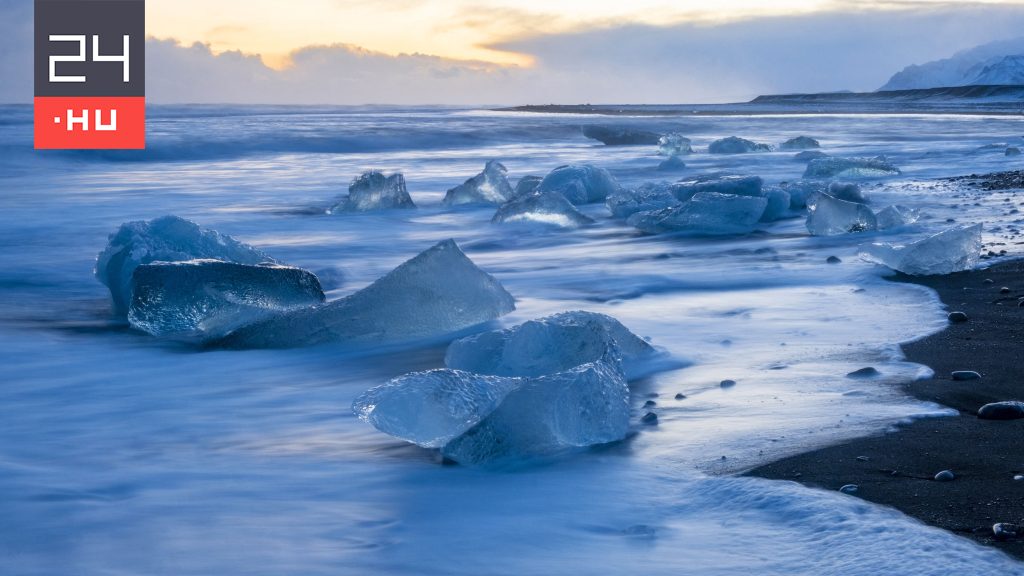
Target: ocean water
x=121, y=454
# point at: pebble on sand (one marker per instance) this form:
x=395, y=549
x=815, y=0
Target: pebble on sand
x=650, y=418
x=966, y=375
x=1006, y=410
x=849, y=489
x=650, y=404
x=945, y=476
x=680, y=396
x=727, y=383
x=957, y=316
x=833, y=260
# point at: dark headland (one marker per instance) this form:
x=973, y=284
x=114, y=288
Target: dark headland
x=898, y=468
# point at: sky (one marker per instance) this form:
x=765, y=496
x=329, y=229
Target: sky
x=528, y=51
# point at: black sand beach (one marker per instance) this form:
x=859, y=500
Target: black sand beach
x=898, y=469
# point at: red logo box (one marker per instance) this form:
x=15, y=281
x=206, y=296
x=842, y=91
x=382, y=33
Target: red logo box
x=86, y=122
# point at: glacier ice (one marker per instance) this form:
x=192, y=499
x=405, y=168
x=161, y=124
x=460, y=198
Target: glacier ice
x=547, y=345
x=848, y=191
x=438, y=292
x=544, y=208
x=373, y=190
x=672, y=164
x=895, y=216
x=480, y=420
x=526, y=185
x=800, y=143
x=801, y=191
x=952, y=250
x=580, y=184
x=734, y=145
x=808, y=155
x=620, y=135
x=708, y=213
x=166, y=239
x=488, y=187
x=731, y=184
x=674, y=144
x=198, y=300
x=833, y=167
x=649, y=196
x=778, y=204
x=829, y=216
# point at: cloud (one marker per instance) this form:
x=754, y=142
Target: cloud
x=680, y=63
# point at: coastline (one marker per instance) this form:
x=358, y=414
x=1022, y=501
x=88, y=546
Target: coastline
x=896, y=469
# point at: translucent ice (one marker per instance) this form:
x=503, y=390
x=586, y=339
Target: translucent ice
x=848, y=191
x=545, y=208
x=778, y=204
x=734, y=145
x=526, y=185
x=552, y=344
x=739, y=185
x=580, y=184
x=649, y=196
x=477, y=419
x=800, y=143
x=620, y=135
x=832, y=167
x=166, y=239
x=895, y=216
x=674, y=144
x=706, y=213
x=374, y=191
x=438, y=292
x=488, y=187
x=829, y=216
x=952, y=250
x=801, y=191
x=198, y=300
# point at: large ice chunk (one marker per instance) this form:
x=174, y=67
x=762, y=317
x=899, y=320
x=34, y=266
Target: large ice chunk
x=778, y=204
x=731, y=184
x=620, y=135
x=801, y=191
x=580, y=184
x=488, y=187
x=708, y=213
x=374, y=191
x=649, y=196
x=833, y=167
x=198, y=300
x=952, y=250
x=477, y=419
x=734, y=145
x=829, y=216
x=544, y=208
x=438, y=292
x=552, y=344
x=800, y=143
x=674, y=144
x=166, y=239
x=526, y=185
x=896, y=216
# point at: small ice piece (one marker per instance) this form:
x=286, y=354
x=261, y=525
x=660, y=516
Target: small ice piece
x=952, y=250
x=672, y=164
x=488, y=187
x=649, y=196
x=549, y=415
x=374, y=191
x=808, y=155
x=707, y=213
x=778, y=204
x=800, y=143
x=548, y=345
x=165, y=239
x=832, y=167
x=848, y=191
x=198, y=300
x=620, y=135
x=801, y=191
x=895, y=216
x=734, y=145
x=738, y=185
x=431, y=409
x=545, y=208
x=580, y=184
x=440, y=291
x=829, y=216
x=526, y=185
x=674, y=144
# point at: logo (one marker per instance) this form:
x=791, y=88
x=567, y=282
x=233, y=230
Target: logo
x=90, y=65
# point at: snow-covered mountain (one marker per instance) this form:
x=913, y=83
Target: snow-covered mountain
x=994, y=63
